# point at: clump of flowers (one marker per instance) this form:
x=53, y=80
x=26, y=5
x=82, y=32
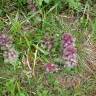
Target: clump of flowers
x=5, y=41
x=69, y=50
x=10, y=56
x=9, y=53
x=50, y=68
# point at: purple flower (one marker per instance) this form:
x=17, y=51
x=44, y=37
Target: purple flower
x=10, y=56
x=50, y=68
x=69, y=50
x=67, y=40
x=5, y=41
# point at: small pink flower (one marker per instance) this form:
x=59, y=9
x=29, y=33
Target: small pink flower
x=50, y=68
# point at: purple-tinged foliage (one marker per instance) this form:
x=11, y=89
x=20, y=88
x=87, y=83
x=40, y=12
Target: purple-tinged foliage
x=5, y=41
x=67, y=40
x=69, y=53
x=50, y=68
x=10, y=56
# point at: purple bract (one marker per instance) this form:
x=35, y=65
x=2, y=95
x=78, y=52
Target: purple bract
x=5, y=41
x=50, y=68
x=69, y=53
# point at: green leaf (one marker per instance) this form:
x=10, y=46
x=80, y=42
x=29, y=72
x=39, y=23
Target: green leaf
x=40, y=2
x=47, y=1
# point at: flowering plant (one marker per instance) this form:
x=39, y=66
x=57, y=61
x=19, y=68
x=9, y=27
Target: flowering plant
x=69, y=50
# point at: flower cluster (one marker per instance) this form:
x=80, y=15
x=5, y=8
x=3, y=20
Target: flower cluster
x=69, y=50
x=5, y=41
x=9, y=53
x=50, y=68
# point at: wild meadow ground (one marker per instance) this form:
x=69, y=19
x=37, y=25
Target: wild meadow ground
x=47, y=48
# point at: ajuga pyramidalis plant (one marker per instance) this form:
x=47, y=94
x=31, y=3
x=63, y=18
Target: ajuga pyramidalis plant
x=5, y=41
x=10, y=55
x=69, y=51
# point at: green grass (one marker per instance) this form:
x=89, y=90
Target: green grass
x=52, y=18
